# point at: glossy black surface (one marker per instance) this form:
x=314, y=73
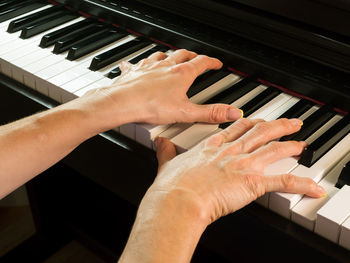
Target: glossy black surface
x=260, y=100
x=118, y=53
x=297, y=73
x=97, y=41
x=116, y=72
x=297, y=109
x=311, y=124
x=344, y=177
x=44, y=15
x=234, y=92
x=326, y=141
x=19, y=8
x=66, y=42
x=50, y=38
x=205, y=80
x=43, y=25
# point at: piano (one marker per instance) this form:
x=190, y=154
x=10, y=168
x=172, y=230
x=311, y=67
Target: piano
x=281, y=59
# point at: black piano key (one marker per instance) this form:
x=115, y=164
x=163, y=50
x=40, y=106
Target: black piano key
x=311, y=124
x=20, y=23
x=254, y=104
x=42, y=26
x=88, y=32
x=205, y=80
x=297, y=109
x=235, y=92
x=117, y=53
x=344, y=177
x=94, y=43
x=325, y=142
x=116, y=72
x=260, y=100
x=51, y=38
x=20, y=8
x=8, y=3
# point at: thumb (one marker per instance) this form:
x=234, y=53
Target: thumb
x=289, y=183
x=165, y=151
x=214, y=113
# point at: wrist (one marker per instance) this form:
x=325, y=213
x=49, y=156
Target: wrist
x=168, y=227
x=111, y=107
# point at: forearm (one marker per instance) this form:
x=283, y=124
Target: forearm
x=167, y=229
x=31, y=145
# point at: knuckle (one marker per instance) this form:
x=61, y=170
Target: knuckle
x=275, y=147
x=262, y=127
x=288, y=182
x=182, y=51
x=184, y=69
x=159, y=54
x=144, y=62
x=310, y=183
x=244, y=163
x=216, y=114
x=245, y=123
x=285, y=123
x=254, y=184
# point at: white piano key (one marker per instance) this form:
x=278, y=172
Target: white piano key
x=323, y=129
x=53, y=77
x=308, y=113
x=270, y=106
x=6, y=37
x=286, y=165
x=282, y=166
x=93, y=76
x=216, y=88
x=57, y=81
x=175, y=130
x=146, y=133
x=278, y=112
x=19, y=42
x=282, y=203
x=98, y=84
x=13, y=63
x=197, y=132
x=333, y=214
x=305, y=211
x=344, y=239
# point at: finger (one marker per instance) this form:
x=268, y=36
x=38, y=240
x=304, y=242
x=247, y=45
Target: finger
x=275, y=151
x=182, y=55
x=264, y=132
x=233, y=132
x=202, y=63
x=213, y=113
x=157, y=56
x=165, y=150
x=289, y=183
x=125, y=66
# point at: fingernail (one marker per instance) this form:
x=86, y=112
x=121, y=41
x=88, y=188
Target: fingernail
x=296, y=122
x=234, y=114
x=322, y=191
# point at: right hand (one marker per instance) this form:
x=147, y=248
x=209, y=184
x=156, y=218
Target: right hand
x=226, y=172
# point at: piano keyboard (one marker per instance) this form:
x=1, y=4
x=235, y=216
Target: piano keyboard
x=63, y=55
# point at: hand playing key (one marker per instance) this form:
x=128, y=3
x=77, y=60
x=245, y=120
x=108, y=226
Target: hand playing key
x=226, y=171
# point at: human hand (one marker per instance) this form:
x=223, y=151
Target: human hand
x=154, y=91
x=226, y=172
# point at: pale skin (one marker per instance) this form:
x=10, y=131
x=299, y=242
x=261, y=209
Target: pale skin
x=217, y=177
